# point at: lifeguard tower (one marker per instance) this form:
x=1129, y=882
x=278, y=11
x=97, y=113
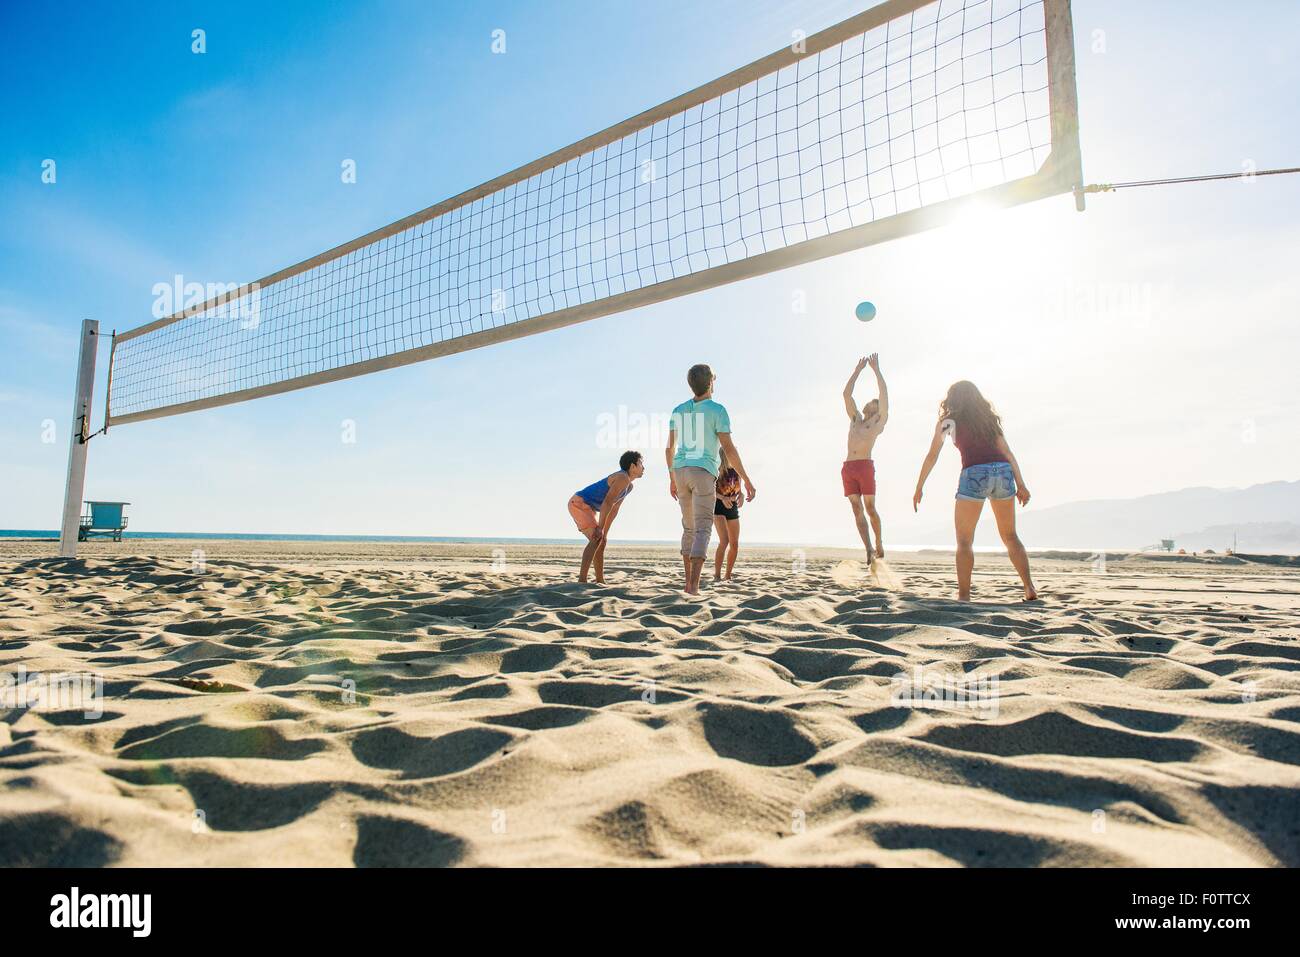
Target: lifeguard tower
x=103, y=518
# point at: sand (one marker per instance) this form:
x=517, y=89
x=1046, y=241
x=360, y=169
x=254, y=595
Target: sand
x=339, y=704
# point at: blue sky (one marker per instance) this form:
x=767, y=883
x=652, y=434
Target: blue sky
x=1143, y=346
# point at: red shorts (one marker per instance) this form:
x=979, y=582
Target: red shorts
x=859, y=477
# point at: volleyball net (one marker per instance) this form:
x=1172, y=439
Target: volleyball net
x=878, y=127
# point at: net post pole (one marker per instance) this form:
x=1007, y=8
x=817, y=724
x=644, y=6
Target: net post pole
x=1064, y=96
x=108, y=384
x=80, y=439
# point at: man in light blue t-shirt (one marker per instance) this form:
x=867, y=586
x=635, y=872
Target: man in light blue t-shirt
x=699, y=434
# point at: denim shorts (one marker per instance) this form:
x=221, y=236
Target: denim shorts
x=993, y=480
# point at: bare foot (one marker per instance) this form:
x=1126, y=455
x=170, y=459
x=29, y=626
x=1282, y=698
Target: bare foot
x=880, y=550
x=871, y=556
x=963, y=596
x=1031, y=593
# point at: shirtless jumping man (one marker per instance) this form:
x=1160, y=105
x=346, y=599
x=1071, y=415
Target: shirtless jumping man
x=859, y=472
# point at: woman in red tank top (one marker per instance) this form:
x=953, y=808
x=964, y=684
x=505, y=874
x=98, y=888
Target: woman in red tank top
x=988, y=471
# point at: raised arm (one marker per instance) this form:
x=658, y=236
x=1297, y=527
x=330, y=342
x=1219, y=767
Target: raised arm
x=849, y=407
x=1022, y=490
x=873, y=360
x=932, y=456
x=733, y=456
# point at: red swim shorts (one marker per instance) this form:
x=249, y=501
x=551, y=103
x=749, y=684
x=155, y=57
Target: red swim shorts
x=859, y=477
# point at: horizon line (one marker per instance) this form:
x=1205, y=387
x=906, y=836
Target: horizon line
x=53, y=535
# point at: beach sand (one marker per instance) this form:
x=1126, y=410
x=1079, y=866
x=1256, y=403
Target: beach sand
x=390, y=704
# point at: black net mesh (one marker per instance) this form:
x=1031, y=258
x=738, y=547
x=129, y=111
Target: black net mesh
x=944, y=101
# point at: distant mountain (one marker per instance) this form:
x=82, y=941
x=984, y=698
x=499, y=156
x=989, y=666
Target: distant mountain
x=1265, y=517
x=1259, y=538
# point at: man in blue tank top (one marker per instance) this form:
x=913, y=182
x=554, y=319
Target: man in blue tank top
x=698, y=428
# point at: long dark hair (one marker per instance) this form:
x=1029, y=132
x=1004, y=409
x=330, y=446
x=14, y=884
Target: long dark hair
x=723, y=468
x=972, y=413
